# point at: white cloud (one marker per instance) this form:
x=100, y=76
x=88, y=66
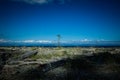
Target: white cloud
x=85, y=40
x=17, y=41
x=4, y=41
x=37, y=1
x=52, y=41
x=34, y=1
x=42, y=1
x=34, y=41
x=44, y=41
x=29, y=41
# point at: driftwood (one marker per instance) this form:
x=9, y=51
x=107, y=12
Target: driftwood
x=28, y=54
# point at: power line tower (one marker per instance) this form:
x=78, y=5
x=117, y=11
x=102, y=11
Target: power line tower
x=59, y=37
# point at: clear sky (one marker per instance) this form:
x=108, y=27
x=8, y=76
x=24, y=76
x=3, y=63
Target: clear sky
x=72, y=19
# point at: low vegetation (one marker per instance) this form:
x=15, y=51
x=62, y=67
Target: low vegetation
x=75, y=63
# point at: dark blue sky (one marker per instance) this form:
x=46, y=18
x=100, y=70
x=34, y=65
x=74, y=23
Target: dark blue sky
x=73, y=19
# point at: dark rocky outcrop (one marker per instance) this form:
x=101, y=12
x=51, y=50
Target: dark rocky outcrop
x=3, y=59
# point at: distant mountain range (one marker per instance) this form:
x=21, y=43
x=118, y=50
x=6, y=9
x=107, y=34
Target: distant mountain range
x=49, y=43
